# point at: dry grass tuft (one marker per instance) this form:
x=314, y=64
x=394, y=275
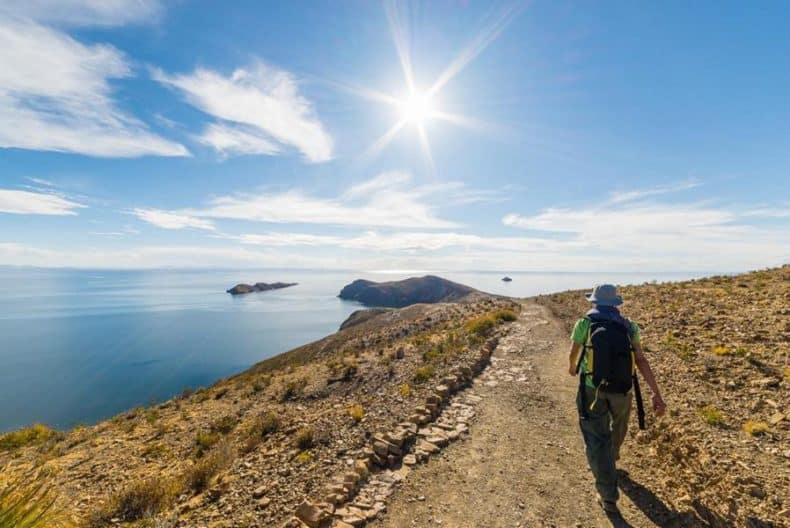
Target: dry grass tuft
x=29, y=503
x=755, y=428
x=304, y=438
x=140, y=499
x=356, y=412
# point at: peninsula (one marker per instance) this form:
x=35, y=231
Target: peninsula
x=397, y=294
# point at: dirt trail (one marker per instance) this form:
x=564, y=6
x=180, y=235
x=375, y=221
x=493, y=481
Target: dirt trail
x=523, y=464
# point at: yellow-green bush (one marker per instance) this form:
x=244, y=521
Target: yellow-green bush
x=755, y=428
x=712, y=415
x=33, y=435
x=303, y=458
x=404, y=390
x=356, y=412
x=423, y=374
x=481, y=326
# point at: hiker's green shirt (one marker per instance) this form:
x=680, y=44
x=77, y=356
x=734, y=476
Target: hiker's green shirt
x=579, y=336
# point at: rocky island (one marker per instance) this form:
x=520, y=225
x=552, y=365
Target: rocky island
x=242, y=288
x=397, y=294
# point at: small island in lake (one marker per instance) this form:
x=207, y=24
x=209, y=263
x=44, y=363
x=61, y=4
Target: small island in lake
x=242, y=288
x=507, y=279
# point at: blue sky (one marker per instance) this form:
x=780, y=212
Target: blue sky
x=448, y=135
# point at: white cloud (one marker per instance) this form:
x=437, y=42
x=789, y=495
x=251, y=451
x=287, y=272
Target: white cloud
x=55, y=96
x=638, y=194
x=693, y=235
x=170, y=220
x=387, y=200
x=234, y=140
x=36, y=203
x=83, y=12
x=382, y=182
x=769, y=212
x=262, y=97
x=403, y=241
x=384, y=201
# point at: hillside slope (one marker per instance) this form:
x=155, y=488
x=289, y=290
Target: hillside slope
x=248, y=450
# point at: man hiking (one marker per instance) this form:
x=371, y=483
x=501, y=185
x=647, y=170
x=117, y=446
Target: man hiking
x=605, y=353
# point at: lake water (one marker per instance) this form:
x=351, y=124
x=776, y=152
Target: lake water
x=77, y=346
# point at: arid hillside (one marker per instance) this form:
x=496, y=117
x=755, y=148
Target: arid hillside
x=721, y=349
x=250, y=449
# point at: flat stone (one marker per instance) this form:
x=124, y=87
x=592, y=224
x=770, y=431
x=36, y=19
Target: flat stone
x=312, y=515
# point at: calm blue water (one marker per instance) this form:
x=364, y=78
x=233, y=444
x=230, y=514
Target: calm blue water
x=77, y=346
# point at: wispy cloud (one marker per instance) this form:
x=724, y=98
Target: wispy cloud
x=55, y=94
x=387, y=200
x=401, y=241
x=36, y=203
x=171, y=220
x=262, y=97
x=84, y=12
x=638, y=194
x=235, y=140
x=770, y=212
x=652, y=232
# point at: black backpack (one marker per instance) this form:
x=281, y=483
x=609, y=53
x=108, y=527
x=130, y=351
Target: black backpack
x=610, y=359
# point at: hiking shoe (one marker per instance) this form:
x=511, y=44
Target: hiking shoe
x=609, y=507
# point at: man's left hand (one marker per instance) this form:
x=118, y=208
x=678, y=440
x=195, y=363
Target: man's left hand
x=658, y=405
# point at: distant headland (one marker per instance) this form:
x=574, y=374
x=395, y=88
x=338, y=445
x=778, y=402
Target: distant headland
x=397, y=294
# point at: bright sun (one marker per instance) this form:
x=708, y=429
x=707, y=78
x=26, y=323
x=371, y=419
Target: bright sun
x=416, y=108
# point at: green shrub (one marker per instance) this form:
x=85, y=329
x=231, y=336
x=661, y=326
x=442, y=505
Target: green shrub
x=423, y=374
x=712, y=415
x=431, y=354
x=33, y=435
x=481, y=326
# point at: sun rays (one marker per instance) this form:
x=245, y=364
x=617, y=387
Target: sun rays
x=417, y=107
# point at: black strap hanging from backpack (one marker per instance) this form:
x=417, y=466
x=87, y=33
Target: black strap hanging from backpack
x=640, y=407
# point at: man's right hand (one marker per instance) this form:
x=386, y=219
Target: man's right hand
x=572, y=370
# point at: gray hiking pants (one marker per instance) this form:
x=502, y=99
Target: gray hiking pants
x=604, y=432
